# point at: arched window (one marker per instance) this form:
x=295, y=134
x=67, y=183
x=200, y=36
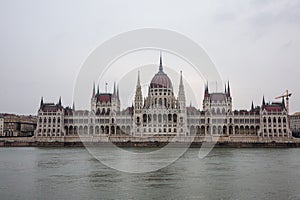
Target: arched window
x=170, y=117
x=223, y=111
x=159, y=118
x=154, y=117
x=165, y=118
x=174, y=118
x=284, y=120
x=144, y=118
x=160, y=101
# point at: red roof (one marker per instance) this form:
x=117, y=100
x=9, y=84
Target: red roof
x=104, y=97
x=161, y=80
x=273, y=108
x=51, y=107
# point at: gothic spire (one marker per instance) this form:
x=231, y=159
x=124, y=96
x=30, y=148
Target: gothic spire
x=207, y=87
x=73, y=106
x=118, y=91
x=206, y=93
x=181, y=94
x=252, y=106
x=283, y=103
x=160, y=63
x=59, y=101
x=42, y=101
x=138, y=99
x=181, y=82
x=228, y=89
x=225, y=88
x=263, y=101
x=98, y=90
x=138, y=80
x=93, y=89
x=115, y=90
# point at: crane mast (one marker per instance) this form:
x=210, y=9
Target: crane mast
x=287, y=96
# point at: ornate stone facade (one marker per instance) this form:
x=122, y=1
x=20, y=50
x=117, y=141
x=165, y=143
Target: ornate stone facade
x=295, y=124
x=162, y=113
x=18, y=125
x=1, y=125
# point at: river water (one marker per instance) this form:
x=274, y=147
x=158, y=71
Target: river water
x=72, y=173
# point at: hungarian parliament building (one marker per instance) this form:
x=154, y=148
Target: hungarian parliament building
x=161, y=113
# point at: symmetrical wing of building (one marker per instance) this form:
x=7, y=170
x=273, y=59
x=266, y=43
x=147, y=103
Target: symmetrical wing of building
x=162, y=113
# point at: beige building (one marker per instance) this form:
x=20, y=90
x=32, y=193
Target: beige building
x=163, y=113
x=1, y=124
x=295, y=124
x=18, y=125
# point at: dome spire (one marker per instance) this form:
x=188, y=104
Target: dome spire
x=138, y=80
x=93, y=95
x=42, y=102
x=181, y=82
x=160, y=63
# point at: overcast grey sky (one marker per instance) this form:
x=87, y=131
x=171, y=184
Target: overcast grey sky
x=254, y=44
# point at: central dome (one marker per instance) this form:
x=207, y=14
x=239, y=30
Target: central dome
x=161, y=79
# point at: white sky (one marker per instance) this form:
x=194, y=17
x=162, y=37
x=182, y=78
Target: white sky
x=254, y=44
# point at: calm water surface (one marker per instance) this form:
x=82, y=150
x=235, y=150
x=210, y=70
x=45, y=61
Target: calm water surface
x=71, y=173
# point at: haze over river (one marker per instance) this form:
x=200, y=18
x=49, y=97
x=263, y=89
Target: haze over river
x=72, y=173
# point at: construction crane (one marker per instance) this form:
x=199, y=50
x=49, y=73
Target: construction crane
x=286, y=95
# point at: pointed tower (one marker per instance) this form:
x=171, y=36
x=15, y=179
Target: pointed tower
x=93, y=94
x=263, y=101
x=283, y=104
x=181, y=94
x=182, y=109
x=115, y=100
x=115, y=90
x=206, y=91
x=138, y=100
x=206, y=99
x=161, y=70
x=252, y=106
x=138, y=104
x=59, y=101
x=118, y=93
x=73, y=108
x=228, y=89
x=42, y=102
x=94, y=98
x=225, y=89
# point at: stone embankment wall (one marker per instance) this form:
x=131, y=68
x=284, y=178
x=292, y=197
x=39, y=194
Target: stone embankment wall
x=128, y=141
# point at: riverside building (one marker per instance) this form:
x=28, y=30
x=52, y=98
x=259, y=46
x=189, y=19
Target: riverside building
x=163, y=113
x=1, y=125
